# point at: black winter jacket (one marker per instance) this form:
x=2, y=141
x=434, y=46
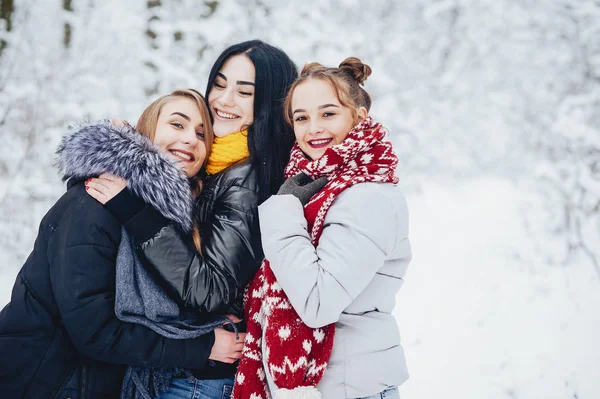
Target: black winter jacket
x=213, y=280
x=59, y=336
x=59, y=332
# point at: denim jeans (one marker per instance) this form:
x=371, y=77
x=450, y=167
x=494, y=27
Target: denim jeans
x=182, y=388
x=389, y=393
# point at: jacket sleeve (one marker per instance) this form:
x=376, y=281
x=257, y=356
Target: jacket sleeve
x=82, y=256
x=231, y=253
x=359, y=234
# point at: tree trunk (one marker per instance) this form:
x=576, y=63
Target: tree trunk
x=7, y=7
x=67, y=6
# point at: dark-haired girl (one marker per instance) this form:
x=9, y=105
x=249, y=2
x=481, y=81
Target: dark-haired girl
x=246, y=90
x=319, y=310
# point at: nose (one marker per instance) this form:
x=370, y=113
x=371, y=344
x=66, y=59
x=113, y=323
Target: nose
x=314, y=127
x=189, y=137
x=227, y=97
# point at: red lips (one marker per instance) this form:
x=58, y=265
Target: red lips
x=319, y=143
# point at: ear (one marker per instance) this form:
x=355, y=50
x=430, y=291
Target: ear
x=362, y=113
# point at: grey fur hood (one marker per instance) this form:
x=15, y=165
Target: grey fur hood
x=94, y=148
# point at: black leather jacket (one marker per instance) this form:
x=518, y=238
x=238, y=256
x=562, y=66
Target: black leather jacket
x=227, y=214
x=231, y=252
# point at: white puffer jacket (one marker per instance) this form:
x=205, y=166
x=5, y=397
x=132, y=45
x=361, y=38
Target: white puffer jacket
x=351, y=278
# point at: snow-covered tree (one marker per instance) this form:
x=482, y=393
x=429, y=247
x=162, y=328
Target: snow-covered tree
x=466, y=87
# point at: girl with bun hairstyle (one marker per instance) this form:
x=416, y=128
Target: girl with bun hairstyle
x=335, y=239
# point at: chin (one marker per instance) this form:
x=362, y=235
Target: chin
x=217, y=132
x=315, y=155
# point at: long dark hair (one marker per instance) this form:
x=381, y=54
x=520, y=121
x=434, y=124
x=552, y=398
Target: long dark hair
x=270, y=138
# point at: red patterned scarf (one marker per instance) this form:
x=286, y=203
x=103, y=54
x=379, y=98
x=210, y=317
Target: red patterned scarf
x=297, y=355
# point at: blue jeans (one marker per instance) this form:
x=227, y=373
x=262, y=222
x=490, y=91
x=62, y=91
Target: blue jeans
x=182, y=388
x=389, y=393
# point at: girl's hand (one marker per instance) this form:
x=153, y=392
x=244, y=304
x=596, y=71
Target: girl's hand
x=302, y=187
x=227, y=348
x=105, y=187
x=118, y=122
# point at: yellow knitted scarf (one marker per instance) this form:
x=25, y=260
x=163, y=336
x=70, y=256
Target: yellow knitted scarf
x=227, y=150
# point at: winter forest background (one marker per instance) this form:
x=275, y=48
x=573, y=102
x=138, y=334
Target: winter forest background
x=494, y=110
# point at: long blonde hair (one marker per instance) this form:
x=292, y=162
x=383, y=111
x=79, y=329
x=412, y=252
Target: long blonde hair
x=148, y=122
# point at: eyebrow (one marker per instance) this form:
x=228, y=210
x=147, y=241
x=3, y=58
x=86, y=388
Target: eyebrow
x=239, y=82
x=187, y=118
x=184, y=116
x=319, y=107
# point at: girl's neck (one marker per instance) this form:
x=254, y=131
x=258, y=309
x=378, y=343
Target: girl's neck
x=243, y=129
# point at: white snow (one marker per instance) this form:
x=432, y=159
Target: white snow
x=493, y=108
x=481, y=316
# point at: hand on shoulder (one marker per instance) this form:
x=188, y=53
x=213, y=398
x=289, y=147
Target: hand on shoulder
x=105, y=187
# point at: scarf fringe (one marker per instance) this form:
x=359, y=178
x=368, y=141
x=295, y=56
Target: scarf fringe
x=299, y=393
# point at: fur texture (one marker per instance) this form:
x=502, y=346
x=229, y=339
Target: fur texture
x=94, y=148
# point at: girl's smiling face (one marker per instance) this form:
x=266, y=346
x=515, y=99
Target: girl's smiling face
x=180, y=134
x=231, y=99
x=319, y=119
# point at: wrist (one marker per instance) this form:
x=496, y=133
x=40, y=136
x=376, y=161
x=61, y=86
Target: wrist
x=125, y=205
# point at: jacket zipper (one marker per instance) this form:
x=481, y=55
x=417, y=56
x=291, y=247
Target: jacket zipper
x=84, y=377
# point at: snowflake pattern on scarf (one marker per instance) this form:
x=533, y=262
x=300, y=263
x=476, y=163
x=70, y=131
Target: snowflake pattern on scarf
x=297, y=355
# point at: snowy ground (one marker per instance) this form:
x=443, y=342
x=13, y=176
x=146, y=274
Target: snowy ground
x=481, y=315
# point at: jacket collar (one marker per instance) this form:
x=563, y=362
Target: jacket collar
x=95, y=148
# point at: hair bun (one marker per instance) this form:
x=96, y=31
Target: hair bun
x=312, y=67
x=359, y=71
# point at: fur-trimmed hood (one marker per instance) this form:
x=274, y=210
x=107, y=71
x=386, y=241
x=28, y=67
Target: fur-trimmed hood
x=94, y=148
